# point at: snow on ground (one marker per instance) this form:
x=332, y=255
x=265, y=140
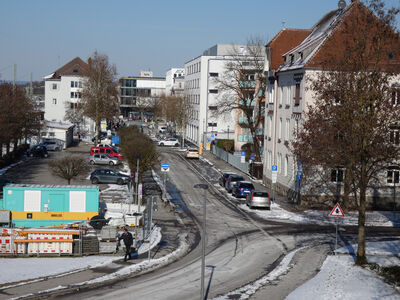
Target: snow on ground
x=19, y=269
x=4, y=170
x=31, y=268
x=339, y=278
x=375, y=218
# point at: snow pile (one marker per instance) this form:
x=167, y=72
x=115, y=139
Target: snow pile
x=5, y=169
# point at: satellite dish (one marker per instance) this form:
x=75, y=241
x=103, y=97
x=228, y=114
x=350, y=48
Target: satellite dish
x=342, y=4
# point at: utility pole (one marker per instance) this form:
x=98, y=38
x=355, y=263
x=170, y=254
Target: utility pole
x=204, y=187
x=15, y=76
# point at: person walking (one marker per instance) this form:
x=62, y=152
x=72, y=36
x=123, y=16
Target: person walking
x=128, y=241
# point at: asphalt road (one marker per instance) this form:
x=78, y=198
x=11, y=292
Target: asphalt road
x=240, y=247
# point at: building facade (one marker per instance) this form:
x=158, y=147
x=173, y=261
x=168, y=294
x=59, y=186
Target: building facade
x=175, y=82
x=138, y=95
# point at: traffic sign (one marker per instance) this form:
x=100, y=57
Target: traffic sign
x=242, y=157
x=274, y=168
x=164, y=167
x=253, y=156
x=337, y=211
x=299, y=175
x=115, y=139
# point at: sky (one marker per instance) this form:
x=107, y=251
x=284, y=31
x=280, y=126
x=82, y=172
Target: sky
x=41, y=36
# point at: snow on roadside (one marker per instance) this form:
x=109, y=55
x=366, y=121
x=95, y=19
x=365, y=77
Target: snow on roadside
x=339, y=278
x=4, y=170
x=248, y=290
x=375, y=218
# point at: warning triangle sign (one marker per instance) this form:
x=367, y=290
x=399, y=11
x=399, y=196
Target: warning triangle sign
x=337, y=211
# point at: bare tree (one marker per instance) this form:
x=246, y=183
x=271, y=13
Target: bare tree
x=134, y=145
x=355, y=106
x=242, y=87
x=176, y=109
x=99, y=93
x=68, y=167
x=74, y=114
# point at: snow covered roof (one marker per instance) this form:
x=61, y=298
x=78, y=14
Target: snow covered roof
x=299, y=56
x=60, y=125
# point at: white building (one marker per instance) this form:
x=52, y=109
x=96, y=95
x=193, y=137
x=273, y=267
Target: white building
x=205, y=124
x=175, y=82
x=63, y=91
x=137, y=94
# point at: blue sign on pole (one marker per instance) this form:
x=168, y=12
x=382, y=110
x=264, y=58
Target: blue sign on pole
x=242, y=153
x=253, y=156
x=299, y=175
x=115, y=139
x=274, y=168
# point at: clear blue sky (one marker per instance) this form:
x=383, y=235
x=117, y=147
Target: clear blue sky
x=40, y=36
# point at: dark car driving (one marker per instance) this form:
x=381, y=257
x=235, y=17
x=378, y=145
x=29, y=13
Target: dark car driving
x=37, y=151
x=108, y=176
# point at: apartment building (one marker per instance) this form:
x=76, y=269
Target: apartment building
x=293, y=58
x=206, y=123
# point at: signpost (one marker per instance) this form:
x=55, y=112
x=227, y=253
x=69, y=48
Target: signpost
x=164, y=169
x=253, y=156
x=242, y=157
x=338, y=213
x=274, y=178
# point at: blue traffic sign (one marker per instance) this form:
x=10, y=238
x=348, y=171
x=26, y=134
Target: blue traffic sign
x=274, y=168
x=164, y=165
x=299, y=175
x=253, y=156
x=115, y=139
x=242, y=153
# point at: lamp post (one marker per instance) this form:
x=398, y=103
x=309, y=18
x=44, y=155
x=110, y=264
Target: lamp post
x=297, y=117
x=228, y=132
x=204, y=187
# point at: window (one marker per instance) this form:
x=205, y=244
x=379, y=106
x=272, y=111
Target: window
x=394, y=136
x=213, y=91
x=288, y=95
x=393, y=175
x=54, y=101
x=280, y=129
x=280, y=96
x=395, y=97
x=212, y=107
x=54, y=86
x=287, y=130
x=297, y=97
x=270, y=127
x=52, y=134
x=337, y=175
x=213, y=74
x=286, y=165
x=279, y=163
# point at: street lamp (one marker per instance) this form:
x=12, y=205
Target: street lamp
x=228, y=132
x=204, y=187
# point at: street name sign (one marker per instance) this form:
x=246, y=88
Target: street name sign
x=337, y=211
x=164, y=167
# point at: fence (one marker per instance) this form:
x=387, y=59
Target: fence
x=233, y=160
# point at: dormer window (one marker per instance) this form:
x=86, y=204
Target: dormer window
x=75, y=71
x=301, y=56
x=291, y=59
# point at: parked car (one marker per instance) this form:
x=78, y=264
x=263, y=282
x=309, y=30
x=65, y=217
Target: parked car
x=100, y=136
x=37, y=151
x=169, y=142
x=105, y=150
x=104, y=159
x=163, y=129
x=115, y=148
x=242, y=189
x=223, y=178
x=52, y=146
x=258, y=199
x=192, y=153
x=108, y=176
x=232, y=179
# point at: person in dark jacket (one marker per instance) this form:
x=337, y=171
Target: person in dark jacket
x=128, y=241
